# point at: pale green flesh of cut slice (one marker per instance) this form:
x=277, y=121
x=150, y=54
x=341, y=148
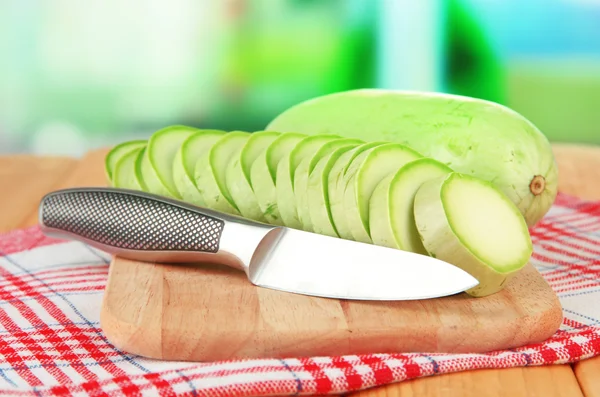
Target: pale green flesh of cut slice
x=184, y=164
x=380, y=223
x=281, y=147
x=161, y=151
x=402, y=195
x=286, y=199
x=330, y=147
x=263, y=175
x=220, y=155
x=241, y=191
x=486, y=222
x=209, y=189
x=264, y=190
x=391, y=216
x=318, y=197
x=285, y=195
x=379, y=162
x=207, y=180
x=307, y=148
x=239, y=183
x=151, y=182
x=142, y=165
x=470, y=223
x=336, y=187
x=257, y=143
x=124, y=171
x=302, y=174
x=117, y=152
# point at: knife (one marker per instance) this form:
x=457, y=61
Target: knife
x=150, y=228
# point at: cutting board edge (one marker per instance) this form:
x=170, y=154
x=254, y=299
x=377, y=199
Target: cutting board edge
x=127, y=337
x=152, y=349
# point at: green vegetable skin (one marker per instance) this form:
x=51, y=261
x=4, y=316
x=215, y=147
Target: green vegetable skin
x=117, y=152
x=378, y=163
x=194, y=147
x=155, y=167
x=317, y=184
x=302, y=174
x=137, y=168
x=263, y=175
x=124, y=170
x=346, y=165
x=470, y=223
x=471, y=136
x=391, y=215
x=238, y=174
x=299, y=157
x=210, y=172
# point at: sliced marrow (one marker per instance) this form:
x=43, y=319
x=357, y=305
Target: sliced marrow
x=263, y=175
x=256, y=144
x=124, y=171
x=140, y=163
x=302, y=173
x=210, y=172
x=286, y=172
x=317, y=190
x=238, y=174
x=470, y=223
x=157, y=163
x=337, y=184
x=391, y=215
x=365, y=172
x=192, y=149
x=117, y=152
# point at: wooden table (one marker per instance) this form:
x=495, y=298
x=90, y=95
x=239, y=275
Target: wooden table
x=25, y=179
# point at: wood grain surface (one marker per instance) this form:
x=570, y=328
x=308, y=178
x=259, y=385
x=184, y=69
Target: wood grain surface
x=24, y=179
x=210, y=312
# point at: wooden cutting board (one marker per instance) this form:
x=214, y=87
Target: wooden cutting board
x=208, y=312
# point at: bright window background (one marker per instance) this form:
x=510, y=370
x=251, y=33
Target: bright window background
x=76, y=75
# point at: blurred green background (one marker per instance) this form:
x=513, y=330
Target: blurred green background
x=76, y=75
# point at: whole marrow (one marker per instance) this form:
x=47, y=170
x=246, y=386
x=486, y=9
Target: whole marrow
x=472, y=136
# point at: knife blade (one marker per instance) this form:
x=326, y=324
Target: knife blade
x=146, y=227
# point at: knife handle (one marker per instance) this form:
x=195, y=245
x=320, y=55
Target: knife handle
x=142, y=226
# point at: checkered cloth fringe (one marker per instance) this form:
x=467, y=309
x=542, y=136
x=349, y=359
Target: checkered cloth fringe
x=51, y=343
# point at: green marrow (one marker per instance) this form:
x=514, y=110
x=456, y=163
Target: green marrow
x=117, y=152
x=210, y=172
x=377, y=164
x=286, y=172
x=238, y=174
x=184, y=164
x=472, y=136
x=257, y=143
x=391, y=216
x=124, y=170
x=302, y=174
x=263, y=175
x=318, y=192
x=337, y=180
x=156, y=168
x=470, y=223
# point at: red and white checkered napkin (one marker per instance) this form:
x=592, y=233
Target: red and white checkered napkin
x=51, y=342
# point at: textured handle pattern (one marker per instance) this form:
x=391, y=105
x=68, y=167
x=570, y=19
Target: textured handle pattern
x=131, y=221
